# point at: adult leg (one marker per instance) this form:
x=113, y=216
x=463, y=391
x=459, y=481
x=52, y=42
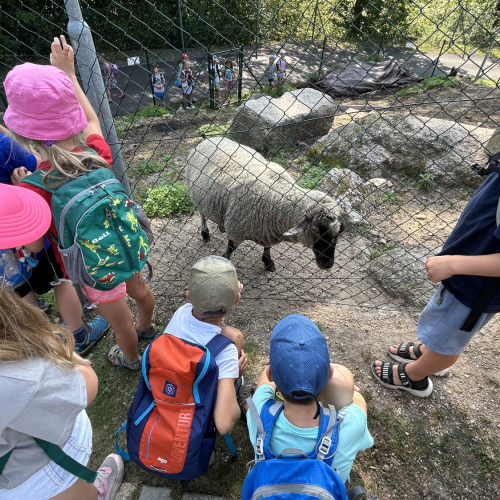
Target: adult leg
x=108, y=91
x=119, y=316
x=69, y=305
x=138, y=289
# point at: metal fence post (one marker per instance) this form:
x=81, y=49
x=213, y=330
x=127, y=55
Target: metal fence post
x=90, y=74
x=179, y=3
x=240, y=68
x=150, y=76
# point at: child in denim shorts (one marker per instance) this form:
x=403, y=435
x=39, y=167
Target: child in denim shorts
x=470, y=255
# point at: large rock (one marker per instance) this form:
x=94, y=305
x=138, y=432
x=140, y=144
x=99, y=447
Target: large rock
x=400, y=272
x=296, y=116
x=400, y=144
x=350, y=190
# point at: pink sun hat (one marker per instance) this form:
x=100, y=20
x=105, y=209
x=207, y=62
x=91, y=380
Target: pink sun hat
x=24, y=216
x=42, y=103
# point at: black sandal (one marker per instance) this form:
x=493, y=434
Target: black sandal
x=403, y=355
x=247, y=390
x=420, y=388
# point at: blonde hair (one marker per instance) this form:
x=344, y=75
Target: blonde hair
x=63, y=163
x=26, y=333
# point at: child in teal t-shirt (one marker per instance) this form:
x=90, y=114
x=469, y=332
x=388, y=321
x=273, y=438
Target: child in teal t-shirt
x=230, y=77
x=334, y=385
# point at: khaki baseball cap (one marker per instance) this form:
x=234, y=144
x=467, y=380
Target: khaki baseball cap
x=213, y=286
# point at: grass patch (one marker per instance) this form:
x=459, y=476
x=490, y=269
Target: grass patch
x=429, y=83
x=485, y=81
x=279, y=158
x=168, y=199
x=312, y=174
x=277, y=92
x=213, y=129
x=426, y=181
x=376, y=57
x=147, y=167
x=389, y=197
x=154, y=111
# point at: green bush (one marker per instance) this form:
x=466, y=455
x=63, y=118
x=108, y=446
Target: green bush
x=146, y=167
x=153, y=111
x=426, y=181
x=312, y=174
x=168, y=199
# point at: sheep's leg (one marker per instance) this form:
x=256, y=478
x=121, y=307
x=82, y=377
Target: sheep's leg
x=268, y=261
x=221, y=229
x=231, y=247
x=205, y=233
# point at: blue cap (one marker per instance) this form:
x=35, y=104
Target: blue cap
x=299, y=356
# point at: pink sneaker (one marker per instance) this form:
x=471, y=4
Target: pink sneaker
x=109, y=477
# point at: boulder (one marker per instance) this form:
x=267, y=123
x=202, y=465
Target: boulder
x=400, y=272
x=350, y=190
x=379, y=182
x=296, y=116
x=400, y=144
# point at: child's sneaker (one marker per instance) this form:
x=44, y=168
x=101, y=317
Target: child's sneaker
x=109, y=477
x=96, y=329
x=42, y=305
x=217, y=102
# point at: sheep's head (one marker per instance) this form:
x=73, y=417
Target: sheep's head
x=320, y=232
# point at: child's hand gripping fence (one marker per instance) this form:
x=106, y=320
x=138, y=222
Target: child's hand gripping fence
x=334, y=186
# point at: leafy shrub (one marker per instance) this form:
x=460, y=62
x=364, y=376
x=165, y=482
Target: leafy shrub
x=375, y=57
x=425, y=181
x=168, y=199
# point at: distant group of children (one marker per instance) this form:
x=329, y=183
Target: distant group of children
x=276, y=69
x=191, y=376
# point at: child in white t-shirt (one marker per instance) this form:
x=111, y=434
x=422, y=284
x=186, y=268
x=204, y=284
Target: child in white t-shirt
x=213, y=290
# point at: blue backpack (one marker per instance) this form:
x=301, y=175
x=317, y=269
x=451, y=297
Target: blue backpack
x=294, y=474
x=170, y=426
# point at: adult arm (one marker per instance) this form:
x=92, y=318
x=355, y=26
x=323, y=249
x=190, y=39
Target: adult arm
x=64, y=59
x=227, y=411
x=444, y=266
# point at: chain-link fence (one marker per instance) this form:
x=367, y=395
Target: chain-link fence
x=364, y=131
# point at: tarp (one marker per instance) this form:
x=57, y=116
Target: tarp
x=360, y=77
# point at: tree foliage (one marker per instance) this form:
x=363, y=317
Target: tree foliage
x=124, y=25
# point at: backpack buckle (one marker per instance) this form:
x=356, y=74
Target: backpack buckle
x=326, y=442
x=259, y=447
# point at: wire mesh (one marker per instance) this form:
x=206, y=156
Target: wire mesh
x=371, y=132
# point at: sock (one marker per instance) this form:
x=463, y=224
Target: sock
x=80, y=335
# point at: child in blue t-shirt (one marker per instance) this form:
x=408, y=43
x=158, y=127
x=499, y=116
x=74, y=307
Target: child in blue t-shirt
x=470, y=255
x=299, y=368
x=14, y=157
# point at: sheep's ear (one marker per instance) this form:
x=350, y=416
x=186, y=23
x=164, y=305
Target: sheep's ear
x=299, y=228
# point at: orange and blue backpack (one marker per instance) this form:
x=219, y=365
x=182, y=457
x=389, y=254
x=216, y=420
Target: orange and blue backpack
x=170, y=427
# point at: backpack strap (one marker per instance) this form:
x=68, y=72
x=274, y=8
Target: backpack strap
x=261, y=434
x=59, y=457
x=36, y=179
x=329, y=439
x=215, y=347
x=218, y=344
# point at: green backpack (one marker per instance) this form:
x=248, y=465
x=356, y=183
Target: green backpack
x=103, y=235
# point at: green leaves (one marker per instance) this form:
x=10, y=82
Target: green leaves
x=168, y=199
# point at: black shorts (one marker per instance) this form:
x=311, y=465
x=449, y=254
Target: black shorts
x=43, y=274
x=271, y=80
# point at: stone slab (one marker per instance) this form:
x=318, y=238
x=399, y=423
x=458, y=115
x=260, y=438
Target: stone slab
x=152, y=493
x=127, y=491
x=197, y=496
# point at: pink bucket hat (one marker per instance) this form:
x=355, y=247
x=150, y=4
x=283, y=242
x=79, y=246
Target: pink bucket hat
x=24, y=216
x=42, y=103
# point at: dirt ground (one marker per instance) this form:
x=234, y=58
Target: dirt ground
x=443, y=447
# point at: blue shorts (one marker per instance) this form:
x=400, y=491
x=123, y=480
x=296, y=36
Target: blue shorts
x=439, y=324
x=160, y=95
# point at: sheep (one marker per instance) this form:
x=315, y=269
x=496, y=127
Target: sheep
x=252, y=199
